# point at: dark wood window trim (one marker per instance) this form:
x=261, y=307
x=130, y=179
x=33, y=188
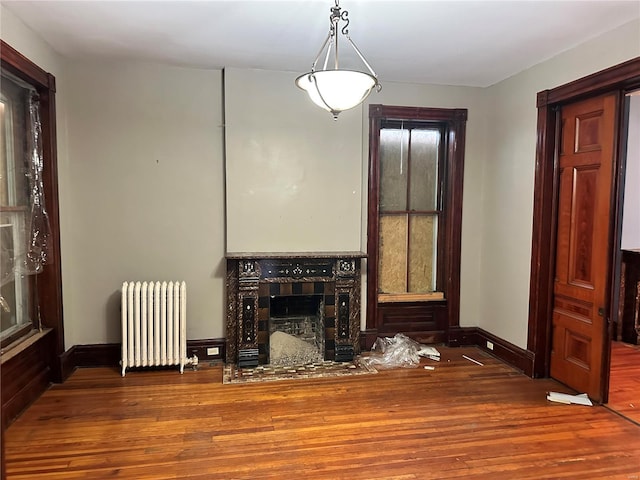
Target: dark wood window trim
x=453, y=121
x=621, y=78
x=49, y=282
x=16, y=336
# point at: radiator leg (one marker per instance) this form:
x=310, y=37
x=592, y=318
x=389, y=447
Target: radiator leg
x=193, y=361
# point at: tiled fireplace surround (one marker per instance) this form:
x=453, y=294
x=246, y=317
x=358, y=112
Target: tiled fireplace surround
x=253, y=279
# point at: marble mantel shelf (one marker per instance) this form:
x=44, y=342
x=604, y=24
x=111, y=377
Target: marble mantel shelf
x=291, y=255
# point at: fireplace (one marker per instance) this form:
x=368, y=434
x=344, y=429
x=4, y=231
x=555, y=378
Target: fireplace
x=314, y=297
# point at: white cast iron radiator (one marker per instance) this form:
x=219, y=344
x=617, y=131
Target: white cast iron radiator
x=154, y=331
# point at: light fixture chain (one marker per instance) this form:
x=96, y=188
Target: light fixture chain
x=334, y=18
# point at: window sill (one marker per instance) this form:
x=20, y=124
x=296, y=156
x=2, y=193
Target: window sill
x=22, y=344
x=410, y=297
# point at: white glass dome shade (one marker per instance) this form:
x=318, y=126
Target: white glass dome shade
x=337, y=90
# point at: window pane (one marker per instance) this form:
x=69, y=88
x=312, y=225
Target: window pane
x=14, y=289
x=425, y=145
x=392, y=267
x=423, y=233
x=15, y=203
x=4, y=173
x=14, y=186
x=394, y=149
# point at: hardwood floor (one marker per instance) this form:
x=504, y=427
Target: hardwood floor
x=624, y=380
x=460, y=420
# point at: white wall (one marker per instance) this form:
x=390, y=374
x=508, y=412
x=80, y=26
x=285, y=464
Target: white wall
x=631, y=214
x=293, y=173
x=509, y=176
x=146, y=179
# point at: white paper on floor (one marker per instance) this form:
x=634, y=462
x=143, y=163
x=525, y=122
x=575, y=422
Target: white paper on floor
x=431, y=353
x=581, y=399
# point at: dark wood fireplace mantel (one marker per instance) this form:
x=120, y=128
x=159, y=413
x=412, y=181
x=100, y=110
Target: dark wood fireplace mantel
x=253, y=278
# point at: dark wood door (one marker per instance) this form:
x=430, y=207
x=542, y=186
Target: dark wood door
x=583, y=255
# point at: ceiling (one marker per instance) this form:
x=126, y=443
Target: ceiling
x=473, y=43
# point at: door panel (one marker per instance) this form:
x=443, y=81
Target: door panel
x=582, y=253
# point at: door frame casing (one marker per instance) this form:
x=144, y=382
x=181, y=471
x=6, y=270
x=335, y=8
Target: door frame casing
x=619, y=79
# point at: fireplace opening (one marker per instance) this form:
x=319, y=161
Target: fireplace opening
x=296, y=329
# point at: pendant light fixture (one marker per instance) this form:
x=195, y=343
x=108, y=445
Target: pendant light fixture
x=336, y=89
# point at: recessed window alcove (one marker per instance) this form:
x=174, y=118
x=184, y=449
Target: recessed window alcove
x=314, y=297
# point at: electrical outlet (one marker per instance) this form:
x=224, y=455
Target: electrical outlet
x=489, y=345
x=213, y=351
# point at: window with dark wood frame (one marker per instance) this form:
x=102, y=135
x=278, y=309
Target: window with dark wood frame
x=28, y=372
x=412, y=288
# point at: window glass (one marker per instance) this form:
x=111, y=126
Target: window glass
x=409, y=207
x=15, y=205
x=425, y=147
x=394, y=153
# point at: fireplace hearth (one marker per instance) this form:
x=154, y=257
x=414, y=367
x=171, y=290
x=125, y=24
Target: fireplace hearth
x=312, y=298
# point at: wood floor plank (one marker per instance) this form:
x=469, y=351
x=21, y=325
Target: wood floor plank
x=624, y=380
x=458, y=421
